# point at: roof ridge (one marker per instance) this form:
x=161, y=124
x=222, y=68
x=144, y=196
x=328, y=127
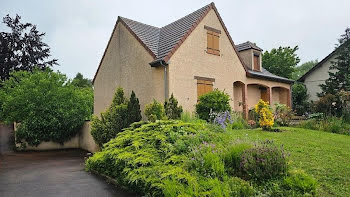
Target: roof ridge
x=122, y=17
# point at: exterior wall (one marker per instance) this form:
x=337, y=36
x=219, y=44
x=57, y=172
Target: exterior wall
x=191, y=60
x=254, y=95
x=126, y=65
x=247, y=57
x=317, y=77
x=238, y=96
x=82, y=140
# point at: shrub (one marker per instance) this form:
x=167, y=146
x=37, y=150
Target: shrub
x=215, y=102
x=172, y=111
x=264, y=112
x=300, y=99
x=190, y=118
x=283, y=114
x=328, y=124
x=134, y=111
x=113, y=121
x=154, y=111
x=233, y=155
x=301, y=182
x=238, y=122
x=262, y=162
x=329, y=105
x=46, y=104
x=222, y=119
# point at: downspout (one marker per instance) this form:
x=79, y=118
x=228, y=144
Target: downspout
x=165, y=81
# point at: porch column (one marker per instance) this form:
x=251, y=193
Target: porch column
x=269, y=95
x=245, y=101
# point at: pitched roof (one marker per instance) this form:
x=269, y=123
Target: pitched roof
x=267, y=75
x=162, y=42
x=247, y=45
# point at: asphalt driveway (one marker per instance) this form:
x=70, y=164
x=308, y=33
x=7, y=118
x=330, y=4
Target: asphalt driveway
x=53, y=173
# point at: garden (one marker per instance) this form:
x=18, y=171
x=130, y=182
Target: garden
x=215, y=152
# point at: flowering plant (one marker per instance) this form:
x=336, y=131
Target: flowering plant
x=264, y=112
x=222, y=118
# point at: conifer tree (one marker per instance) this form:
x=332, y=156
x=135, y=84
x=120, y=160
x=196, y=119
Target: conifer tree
x=172, y=111
x=134, y=109
x=339, y=73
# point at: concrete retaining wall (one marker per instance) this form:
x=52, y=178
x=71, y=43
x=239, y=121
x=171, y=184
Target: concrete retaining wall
x=82, y=140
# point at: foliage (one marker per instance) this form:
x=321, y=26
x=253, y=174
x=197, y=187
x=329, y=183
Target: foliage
x=48, y=107
x=222, y=119
x=118, y=116
x=329, y=105
x=264, y=112
x=324, y=156
x=233, y=156
x=22, y=48
x=283, y=114
x=80, y=81
x=300, y=99
x=172, y=111
x=303, y=68
x=263, y=161
x=339, y=71
x=213, y=102
x=155, y=111
x=134, y=111
x=299, y=181
x=281, y=61
x=238, y=122
x=328, y=124
x=190, y=118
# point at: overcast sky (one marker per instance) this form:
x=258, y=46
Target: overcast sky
x=78, y=31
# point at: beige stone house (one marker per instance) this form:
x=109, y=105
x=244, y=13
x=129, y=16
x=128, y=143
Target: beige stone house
x=188, y=57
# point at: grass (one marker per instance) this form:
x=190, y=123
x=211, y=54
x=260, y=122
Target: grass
x=325, y=156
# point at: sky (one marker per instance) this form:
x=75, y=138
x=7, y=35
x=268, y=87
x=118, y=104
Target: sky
x=78, y=31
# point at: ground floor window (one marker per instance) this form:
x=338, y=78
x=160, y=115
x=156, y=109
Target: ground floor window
x=204, y=85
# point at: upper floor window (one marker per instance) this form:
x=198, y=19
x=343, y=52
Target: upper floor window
x=213, y=36
x=256, y=62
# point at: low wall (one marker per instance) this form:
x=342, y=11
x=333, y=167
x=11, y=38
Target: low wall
x=82, y=140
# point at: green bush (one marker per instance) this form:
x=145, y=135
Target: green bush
x=190, y=118
x=172, y=111
x=46, y=104
x=118, y=116
x=329, y=124
x=300, y=97
x=283, y=114
x=154, y=111
x=213, y=102
x=300, y=182
x=233, y=156
x=262, y=162
x=238, y=122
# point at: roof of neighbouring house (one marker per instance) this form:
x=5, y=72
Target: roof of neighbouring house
x=247, y=45
x=162, y=42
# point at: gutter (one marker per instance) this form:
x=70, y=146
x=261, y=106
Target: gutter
x=249, y=74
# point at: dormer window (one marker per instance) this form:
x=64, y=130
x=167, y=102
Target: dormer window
x=213, y=36
x=256, y=62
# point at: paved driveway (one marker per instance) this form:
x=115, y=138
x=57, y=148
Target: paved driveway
x=53, y=173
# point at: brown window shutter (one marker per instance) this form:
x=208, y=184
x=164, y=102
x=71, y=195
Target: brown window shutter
x=256, y=63
x=203, y=87
x=210, y=41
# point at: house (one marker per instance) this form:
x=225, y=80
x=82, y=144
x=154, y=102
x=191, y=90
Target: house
x=187, y=58
x=317, y=75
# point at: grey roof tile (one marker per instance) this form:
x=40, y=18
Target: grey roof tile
x=247, y=45
x=266, y=74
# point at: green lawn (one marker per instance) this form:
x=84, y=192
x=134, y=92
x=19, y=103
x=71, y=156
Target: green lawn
x=325, y=156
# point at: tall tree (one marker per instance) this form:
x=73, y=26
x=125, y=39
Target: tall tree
x=339, y=72
x=303, y=68
x=80, y=81
x=281, y=61
x=134, y=111
x=22, y=48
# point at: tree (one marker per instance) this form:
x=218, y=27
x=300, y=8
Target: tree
x=172, y=110
x=302, y=69
x=339, y=72
x=22, y=48
x=281, y=61
x=80, y=81
x=300, y=98
x=45, y=104
x=134, y=111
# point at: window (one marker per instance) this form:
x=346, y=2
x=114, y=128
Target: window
x=256, y=62
x=213, y=40
x=204, y=85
